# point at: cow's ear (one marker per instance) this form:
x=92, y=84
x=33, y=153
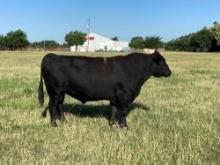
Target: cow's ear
x=156, y=57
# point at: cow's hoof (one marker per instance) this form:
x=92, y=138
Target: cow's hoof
x=112, y=124
x=123, y=126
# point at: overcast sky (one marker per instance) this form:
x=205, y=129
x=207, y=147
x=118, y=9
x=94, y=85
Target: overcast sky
x=52, y=19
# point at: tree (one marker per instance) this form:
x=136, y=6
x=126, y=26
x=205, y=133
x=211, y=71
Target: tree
x=203, y=39
x=16, y=40
x=137, y=42
x=181, y=44
x=2, y=42
x=75, y=38
x=216, y=32
x=115, y=38
x=153, y=42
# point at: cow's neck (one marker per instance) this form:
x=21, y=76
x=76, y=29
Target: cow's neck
x=145, y=68
x=142, y=72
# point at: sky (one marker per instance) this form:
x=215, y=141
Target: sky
x=52, y=19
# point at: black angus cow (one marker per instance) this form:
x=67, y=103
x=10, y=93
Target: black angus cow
x=117, y=79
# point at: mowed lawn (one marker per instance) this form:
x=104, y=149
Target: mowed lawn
x=174, y=120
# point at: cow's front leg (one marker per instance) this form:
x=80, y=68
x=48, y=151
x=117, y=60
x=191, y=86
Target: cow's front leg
x=112, y=120
x=123, y=114
x=123, y=102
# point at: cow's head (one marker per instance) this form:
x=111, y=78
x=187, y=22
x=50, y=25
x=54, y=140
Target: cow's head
x=160, y=67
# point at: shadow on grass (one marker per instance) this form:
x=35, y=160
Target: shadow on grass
x=94, y=111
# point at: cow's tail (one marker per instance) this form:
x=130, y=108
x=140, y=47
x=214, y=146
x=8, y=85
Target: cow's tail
x=41, y=91
x=44, y=113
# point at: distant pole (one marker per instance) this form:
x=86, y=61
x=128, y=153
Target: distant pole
x=88, y=31
x=44, y=45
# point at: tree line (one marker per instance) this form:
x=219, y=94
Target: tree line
x=17, y=40
x=206, y=39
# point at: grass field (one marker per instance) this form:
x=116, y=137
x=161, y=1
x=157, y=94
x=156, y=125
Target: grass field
x=174, y=120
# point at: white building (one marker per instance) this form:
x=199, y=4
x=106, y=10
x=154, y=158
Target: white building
x=101, y=43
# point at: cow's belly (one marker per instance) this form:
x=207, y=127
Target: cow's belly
x=91, y=91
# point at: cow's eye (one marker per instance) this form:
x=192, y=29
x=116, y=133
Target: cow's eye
x=161, y=63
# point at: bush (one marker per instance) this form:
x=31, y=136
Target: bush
x=137, y=43
x=153, y=42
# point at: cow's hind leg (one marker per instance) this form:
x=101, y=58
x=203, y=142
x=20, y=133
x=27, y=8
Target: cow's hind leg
x=60, y=108
x=53, y=107
x=112, y=120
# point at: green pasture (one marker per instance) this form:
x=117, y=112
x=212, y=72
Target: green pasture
x=174, y=120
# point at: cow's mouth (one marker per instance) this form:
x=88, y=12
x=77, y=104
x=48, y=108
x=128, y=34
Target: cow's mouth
x=158, y=75
x=168, y=74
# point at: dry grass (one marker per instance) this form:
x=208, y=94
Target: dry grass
x=180, y=123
